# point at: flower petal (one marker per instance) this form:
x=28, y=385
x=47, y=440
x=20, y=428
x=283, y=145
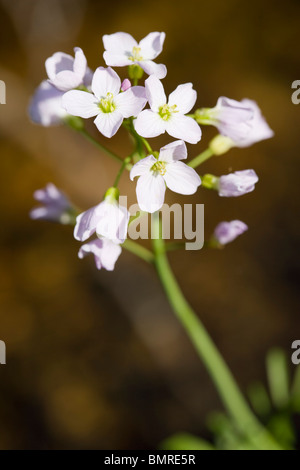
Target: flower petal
x=66, y=80
x=181, y=178
x=183, y=127
x=86, y=223
x=46, y=105
x=260, y=129
x=110, y=254
x=109, y=123
x=149, y=124
x=119, y=43
x=172, y=152
x=131, y=102
x=151, y=68
x=152, y=45
x=80, y=63
x=80, y=103
x=184, y=97
x=113, y=222
x=105, y=252
x=150, y=191
x=116, y=60
x=155, y=93
x=105, y=80
x=57, y=63
x=142, y=167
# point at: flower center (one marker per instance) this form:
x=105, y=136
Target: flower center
x=166, y=111
x=107, y=104
x=136, y=55
x=159, y=167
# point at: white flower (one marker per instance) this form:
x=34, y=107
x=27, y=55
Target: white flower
x=66, y=73
x=108, y=219
x=155, y=174
x=168, y=116
x=237, y=183
x=46, y=106
x=232, y=118
x=105, y=253
x=106, y=102
x=258, y=130
x=122, y=49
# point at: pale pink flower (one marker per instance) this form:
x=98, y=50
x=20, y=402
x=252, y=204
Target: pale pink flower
x=106, y=102
x=122, y=49
x=66, y=72
x=155, y=174
x=108, y=220
x=56, y=207
x=105, y=252
x=45, y=107
x=168, y=116
x=232, y=118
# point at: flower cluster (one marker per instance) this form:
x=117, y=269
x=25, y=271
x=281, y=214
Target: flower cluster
x=74, y=90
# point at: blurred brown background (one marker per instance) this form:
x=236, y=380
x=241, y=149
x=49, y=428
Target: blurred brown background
x=96, y=360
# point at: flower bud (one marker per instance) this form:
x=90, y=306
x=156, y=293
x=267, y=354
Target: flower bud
x=126, y=84
x=237, y=183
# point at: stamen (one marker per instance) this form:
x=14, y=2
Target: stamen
x=136, y=54
x=159, y=167
x=166, y=111
x=107, y=104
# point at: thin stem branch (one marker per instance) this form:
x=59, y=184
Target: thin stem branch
x=101, y=147
x=124, y=165
x=138, y=250
x=225, y=383
x=208, y=153
x=146, y=144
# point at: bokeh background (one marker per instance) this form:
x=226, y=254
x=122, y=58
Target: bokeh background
x=97, y=360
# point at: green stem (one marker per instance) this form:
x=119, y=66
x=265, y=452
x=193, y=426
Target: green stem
x=124, y=165
x=201, y=158
x=101, y=147
x=147, y=145
x=217, y=368
x=138, y=250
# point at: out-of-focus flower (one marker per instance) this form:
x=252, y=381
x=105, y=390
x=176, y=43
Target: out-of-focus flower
x=126, y=84
x=106, y=102
x=46, y=106
x=122, y=49
x=108, y=219
x=168, y=116
x=56, y=206
x=66, y=72
x=237, y=183
x=232, y=118
x=226, y=232
x=105, y=252
x=166, y=170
